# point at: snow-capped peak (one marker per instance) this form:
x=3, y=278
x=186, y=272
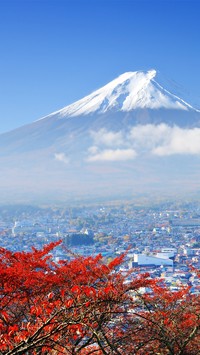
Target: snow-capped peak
x=129, y=91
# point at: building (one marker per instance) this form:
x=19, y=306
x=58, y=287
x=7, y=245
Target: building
x=149, y=260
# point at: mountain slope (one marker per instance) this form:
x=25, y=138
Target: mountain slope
x=130, y=91
x=133, y=98
x=133, y=133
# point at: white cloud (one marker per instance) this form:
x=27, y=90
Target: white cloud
x=165, y=140
x=146, y=137
x=61, y=157
x=160, y=140
x=107, y=138
x=93, y=150
x=113, y=155
x=180, y=141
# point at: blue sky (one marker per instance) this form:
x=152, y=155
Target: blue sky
x=54, y=52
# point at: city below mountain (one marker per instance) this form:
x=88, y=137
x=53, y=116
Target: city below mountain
x=136, y=136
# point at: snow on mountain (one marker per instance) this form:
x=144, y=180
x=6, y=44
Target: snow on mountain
x=131, y=90
x=132, y=99
x=133, y=134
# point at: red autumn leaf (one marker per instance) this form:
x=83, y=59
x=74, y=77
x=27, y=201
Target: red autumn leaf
x=87, y=307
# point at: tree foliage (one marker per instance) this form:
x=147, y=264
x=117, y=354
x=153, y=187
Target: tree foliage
x=84, y=306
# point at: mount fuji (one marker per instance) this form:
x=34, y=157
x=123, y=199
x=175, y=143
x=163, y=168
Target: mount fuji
x=136, y=135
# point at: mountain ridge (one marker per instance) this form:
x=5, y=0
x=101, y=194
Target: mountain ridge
x=131, y=134
x=139, y=89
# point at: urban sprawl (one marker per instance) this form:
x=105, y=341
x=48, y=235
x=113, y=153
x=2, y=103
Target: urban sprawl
x=163, y=240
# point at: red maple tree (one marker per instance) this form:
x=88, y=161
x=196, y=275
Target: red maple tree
x=84, y=306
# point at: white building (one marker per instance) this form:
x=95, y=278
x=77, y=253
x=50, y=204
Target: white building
x=148, y=260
